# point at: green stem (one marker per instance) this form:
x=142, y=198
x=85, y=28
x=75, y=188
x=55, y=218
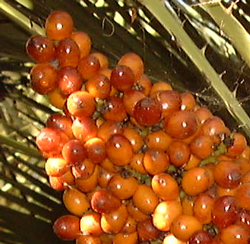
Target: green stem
x=20, y=18
x=170, y=21
x=231, y=27
x=20, y=147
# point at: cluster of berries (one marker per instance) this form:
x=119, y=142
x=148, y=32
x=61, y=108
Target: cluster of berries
x=138, y=161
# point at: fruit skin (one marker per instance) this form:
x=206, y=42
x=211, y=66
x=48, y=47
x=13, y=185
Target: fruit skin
x=155, y=161
x=119, y=150
x=235, y=234
x=146, y=230
x=184, y=226
x=56, y=166
x=90, y=224
x=103, y=201
x=243, y=196
x=122, y=78
x=74, y=152
x=43, y=78
x=83, y=41
x=114, y=221
x=134, y=62
x=147, y=112
x=88, y=66
x=59, y=25
x=75, y=201
x=67, y=227
x=69, y=80
x=227, y=174
x=179, y=153
x=40, y=48
x=84, y=129
x=200, y=237
x=81, y=104
x=98, y=86
x=123, y=187
x=196, y=180
x=165, y=186
x=50, y=141
x=164, y=214
x=67, y=53
x=202, y=208
x=145, y=199
x=224, y=211
x=181, y=124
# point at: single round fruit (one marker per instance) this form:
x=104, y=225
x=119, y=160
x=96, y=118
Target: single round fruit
x=67, y=227
x=184, y=226
x=43, y=78
x=40, y=48
x=103, y=201
x=181, y=124
x=122, y=78
x=59, y=25
x=147, y=112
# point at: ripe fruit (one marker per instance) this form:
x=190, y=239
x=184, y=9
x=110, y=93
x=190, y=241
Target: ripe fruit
x=147, y=231
x=99, y=86
x=147, y=111
x=243, y=196
x=134, y=62
x=227, y=174
x=40, y=48
x=164, y=214
x=122, y=78
x=81, y=104
x=119, y=150
x=43, y=78
x=83, y=41
x=122, y=186
x=137, y=160
x=235, y=234
x=75, y=201
x=165, y=186
x=181, y=124
x=67, y=53
x=145, y=199
x=84, y=129
x=56, y=166
x=224, y=211
x=155, y=161
x=59, y=25
x=184, y=226
x=90, y=224
x=50, y=141
x=196, y=180
x=69, y=80
x=74, y=152
x=88, y=66
x=103, y=201
x=67, y=227
x=114, y=221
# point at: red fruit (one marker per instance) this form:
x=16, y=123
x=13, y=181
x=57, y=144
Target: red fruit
x=103, y=201
x=40, y=48
x=147, y=112
x=67, y=227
